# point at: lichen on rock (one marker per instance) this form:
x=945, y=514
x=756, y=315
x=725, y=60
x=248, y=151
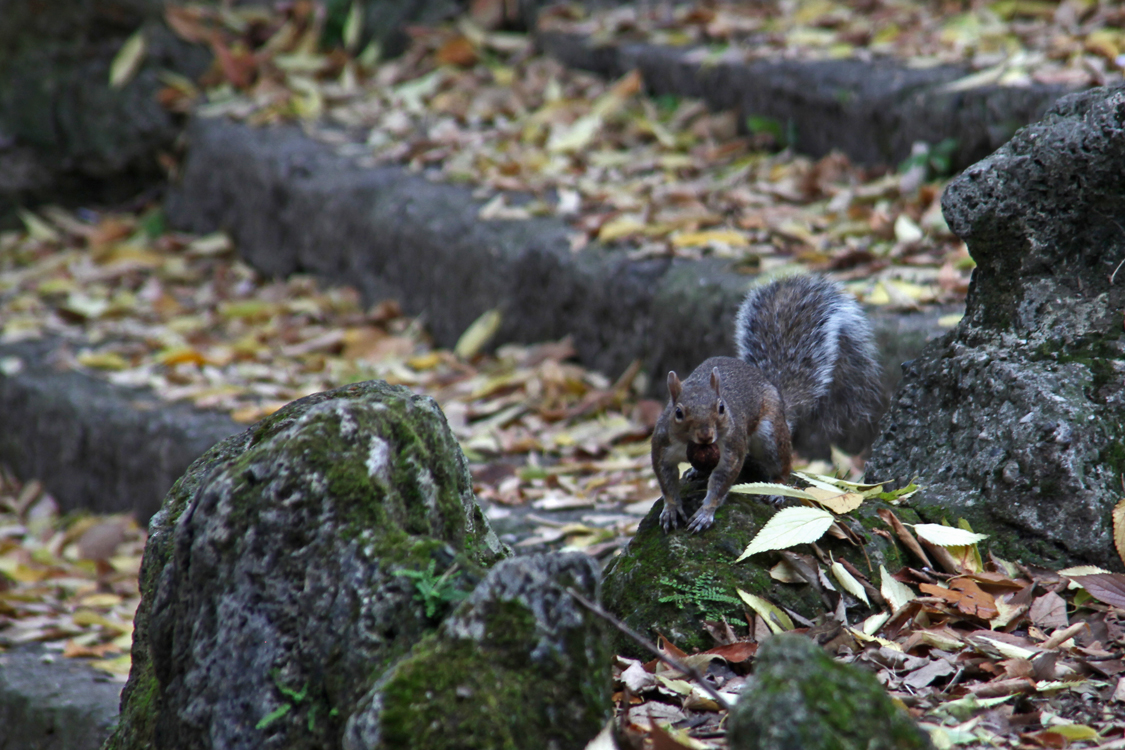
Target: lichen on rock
x=272, y=588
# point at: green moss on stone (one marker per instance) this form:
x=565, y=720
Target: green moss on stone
x=467, y=695
x=413, y=514
x=632, y=590
x=802, y=699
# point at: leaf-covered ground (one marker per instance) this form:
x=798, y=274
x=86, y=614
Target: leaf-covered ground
x=995, y=654
x=1007, y=42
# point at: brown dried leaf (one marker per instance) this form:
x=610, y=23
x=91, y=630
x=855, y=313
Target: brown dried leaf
x=458, y=50
x=1108, y=588
x=1049, y=612
x=967, y=596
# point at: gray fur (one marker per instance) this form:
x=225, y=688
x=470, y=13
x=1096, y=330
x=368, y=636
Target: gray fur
x=813, y=341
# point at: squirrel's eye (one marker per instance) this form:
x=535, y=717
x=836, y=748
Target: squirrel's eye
x=722, y=407
x=679, y=413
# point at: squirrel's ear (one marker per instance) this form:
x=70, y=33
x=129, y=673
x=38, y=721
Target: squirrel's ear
x=674, y=386
x=715, y=379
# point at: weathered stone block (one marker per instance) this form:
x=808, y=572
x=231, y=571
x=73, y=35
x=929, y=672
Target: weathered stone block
x=272, y=587
x=1015, y=420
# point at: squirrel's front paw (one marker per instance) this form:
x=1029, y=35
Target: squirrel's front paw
x=702, y=520
x=671, y=516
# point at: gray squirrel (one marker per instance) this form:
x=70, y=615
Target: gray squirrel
x=806, y=362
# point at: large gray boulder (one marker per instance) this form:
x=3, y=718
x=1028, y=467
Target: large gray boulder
x=279, y=580
x=1016, y=420
x=520, y=664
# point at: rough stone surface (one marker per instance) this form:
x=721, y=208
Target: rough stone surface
x=520, y=664
x=872, y=111
x=801, y=699
x=272, y=573
x=96, y=446
x=672, y=583
x=294, y=206
x=1015, y=419
x=51, y=703
x=64, y=131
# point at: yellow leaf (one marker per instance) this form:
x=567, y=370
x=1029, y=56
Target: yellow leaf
x=774, y=616
x=849, y=582
x=1119, y=528
x=576, y=136
x=719, y=236
x=101, y=600
x=103, y=360
x=683, y=687
x=478, y=334
x=181, y=355
x=1075, y=732
x=835, y=500
x=897, y=593
x=251, y=309
x=251, y=414
x=119, y=666
x=425, y=361
x=863, y=637
x=948, y=321
x=215, y=243
x=21, y=573
x=128, y=60
x=786, y=573
x=37, y=228
x=618, y=228
x=90, y=617
x=768, y=488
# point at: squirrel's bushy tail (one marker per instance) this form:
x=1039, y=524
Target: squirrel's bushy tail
x=813, y=341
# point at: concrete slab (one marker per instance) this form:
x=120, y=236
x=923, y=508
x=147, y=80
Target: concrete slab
x=48, y=702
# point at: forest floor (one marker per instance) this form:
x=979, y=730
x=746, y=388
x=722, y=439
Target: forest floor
x=987, y=653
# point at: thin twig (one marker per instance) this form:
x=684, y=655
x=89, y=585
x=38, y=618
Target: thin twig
x=670, y=661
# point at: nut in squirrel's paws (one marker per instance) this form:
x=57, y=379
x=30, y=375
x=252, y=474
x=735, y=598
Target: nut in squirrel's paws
x=703, y=458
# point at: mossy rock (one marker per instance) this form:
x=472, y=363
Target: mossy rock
x=519, y=665
x=272, y=586
x=669, y=584
x=800, y=698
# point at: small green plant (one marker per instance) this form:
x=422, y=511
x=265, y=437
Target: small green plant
x=704, y=595
x=434, y=590
x=296, y=697
x=784, y=136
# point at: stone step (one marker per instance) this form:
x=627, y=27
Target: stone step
x=48, y=702
x=294, y=206
x=873, y=111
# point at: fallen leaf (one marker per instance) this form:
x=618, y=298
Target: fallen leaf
x=788, y=528
x=478, y=334
x=947, y=536
x=128, y=60
x=774, y=617
x=1105, y=587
